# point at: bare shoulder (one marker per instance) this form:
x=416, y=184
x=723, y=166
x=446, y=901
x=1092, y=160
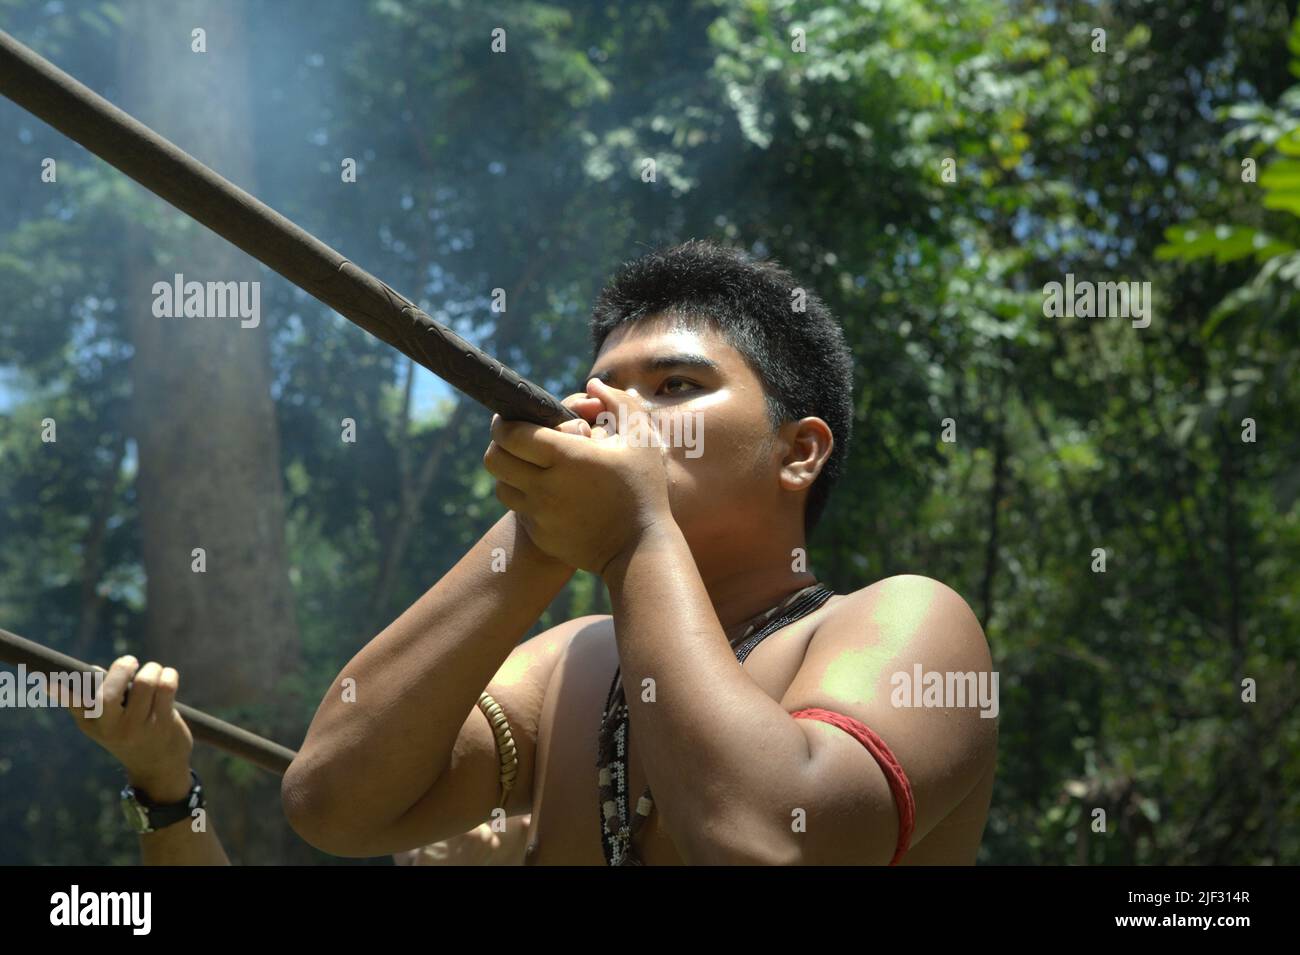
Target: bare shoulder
x=912, y=615
x=911, y=654
x=592, y=633
x=584, y=627
x=581, y=649
x=548, y=647
x=521, y=683
x=907, y=658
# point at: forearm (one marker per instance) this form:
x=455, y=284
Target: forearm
x=711, y=735
x=178, y=844
x=382, y=741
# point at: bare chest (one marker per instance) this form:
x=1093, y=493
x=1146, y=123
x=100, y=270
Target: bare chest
x=566, y=816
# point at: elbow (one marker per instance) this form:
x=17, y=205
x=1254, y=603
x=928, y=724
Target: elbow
x=316, y=811
x=735, y=841
x=301, y=801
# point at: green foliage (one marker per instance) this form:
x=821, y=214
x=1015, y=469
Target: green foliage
x=1121, y=690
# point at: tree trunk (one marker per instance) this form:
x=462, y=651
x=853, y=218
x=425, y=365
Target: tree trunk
x=92, y=552
x=209, y=472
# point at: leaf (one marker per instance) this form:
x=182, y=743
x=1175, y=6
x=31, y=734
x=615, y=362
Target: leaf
x=1224, y=242
x=1288, y=201
x=1281, y=174
x=1289, y=144
x=1150, y=809
x=1293, y=41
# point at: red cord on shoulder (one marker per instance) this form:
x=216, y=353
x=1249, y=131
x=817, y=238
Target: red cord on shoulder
x=893, y=770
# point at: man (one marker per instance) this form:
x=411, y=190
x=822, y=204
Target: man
x=152, y=741
x=800, y=754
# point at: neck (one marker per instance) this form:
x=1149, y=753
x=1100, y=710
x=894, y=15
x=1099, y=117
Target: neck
x=743, y=585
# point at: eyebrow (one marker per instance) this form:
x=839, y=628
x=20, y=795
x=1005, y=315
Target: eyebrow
x=660, y=363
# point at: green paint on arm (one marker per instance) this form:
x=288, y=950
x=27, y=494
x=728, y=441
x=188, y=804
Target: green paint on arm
x=898, y=609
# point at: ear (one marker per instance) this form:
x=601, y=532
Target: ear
x=809, y=442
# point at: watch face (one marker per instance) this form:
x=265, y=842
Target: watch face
x=136, y=817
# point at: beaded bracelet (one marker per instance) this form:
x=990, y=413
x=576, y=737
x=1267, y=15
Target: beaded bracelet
x=505, y=743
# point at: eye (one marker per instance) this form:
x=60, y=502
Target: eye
x=669, y=385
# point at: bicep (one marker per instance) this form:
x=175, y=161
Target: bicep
x=469, y=788
x=855, y=666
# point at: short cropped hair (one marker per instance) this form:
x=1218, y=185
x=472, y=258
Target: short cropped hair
x=785, y=332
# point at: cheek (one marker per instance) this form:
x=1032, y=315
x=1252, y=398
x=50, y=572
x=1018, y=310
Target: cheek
x=726, y=465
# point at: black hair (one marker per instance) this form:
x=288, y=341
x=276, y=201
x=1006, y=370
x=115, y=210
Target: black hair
x=799, y=356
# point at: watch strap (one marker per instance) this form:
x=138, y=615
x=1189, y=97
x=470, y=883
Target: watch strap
x=146, y=816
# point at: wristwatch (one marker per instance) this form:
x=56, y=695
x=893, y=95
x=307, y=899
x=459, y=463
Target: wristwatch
x=143, y=815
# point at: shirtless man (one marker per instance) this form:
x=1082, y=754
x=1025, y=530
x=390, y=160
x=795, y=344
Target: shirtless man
x=692, y=547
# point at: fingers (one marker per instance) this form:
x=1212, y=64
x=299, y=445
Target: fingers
x=585, y=406
x=504, y=466
x=581, y=402
x=612, y=398
x=143, y=690
x=165, y=699
x=511, y=496
x=88, y=709
x=527, y=441
x=577, y=426
x=618, y=405
x=114, y=687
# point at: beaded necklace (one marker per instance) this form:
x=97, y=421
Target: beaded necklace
x=618, y=827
